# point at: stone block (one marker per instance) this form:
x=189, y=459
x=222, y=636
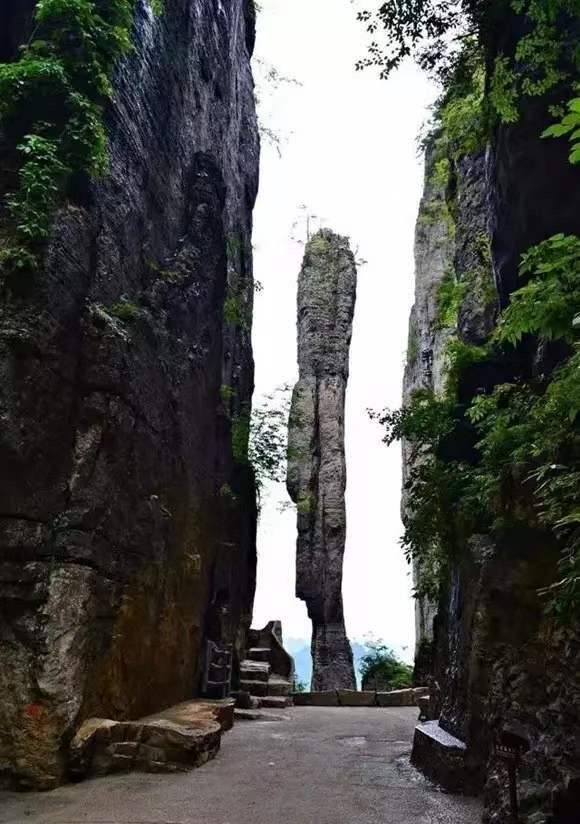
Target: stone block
x=328, y=698
x=396, y=698
x=442, y=758
x=352, y=698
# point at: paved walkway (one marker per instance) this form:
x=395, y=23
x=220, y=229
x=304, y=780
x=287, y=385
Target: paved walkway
x=321, y=766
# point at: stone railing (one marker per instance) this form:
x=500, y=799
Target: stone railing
x=352, y=698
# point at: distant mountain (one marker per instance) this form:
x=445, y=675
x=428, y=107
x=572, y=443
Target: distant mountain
x=299, y=649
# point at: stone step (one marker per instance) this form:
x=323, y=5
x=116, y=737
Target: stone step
x=279, y=686
x=275, y=702
x=254, y=687
x=254, y=670
x=259, y=654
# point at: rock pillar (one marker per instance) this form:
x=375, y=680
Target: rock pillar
x=316, y=457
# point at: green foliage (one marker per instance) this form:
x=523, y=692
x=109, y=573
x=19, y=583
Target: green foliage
x=569, y=125
x=425, y=422
x=450, y=296
x=235, y=311
x=523, y=438
x=548, y=304
x=415, y=28
x=459, y=124
x=442, y=501
x=530, y=450
x=547, y=56
x=460, y=356
x=305, y=503
x=238, y=303
x=34, y=202
x=462, y=110
x=228, y=494
x=380, y=662
x=268, y=437
x=261, y=438
x=126, y=310
x=503, y=93
x=413, y=344
x=240, y=437
x=52, y=100
x=227, y=394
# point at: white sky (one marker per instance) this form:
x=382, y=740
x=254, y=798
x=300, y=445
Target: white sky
x=349, y=154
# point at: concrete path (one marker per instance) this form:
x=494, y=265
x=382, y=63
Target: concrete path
x=321, y=766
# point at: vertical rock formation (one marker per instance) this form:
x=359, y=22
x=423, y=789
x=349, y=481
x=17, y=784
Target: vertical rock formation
x=316, y=457
x=127, y=530
x=501, y=662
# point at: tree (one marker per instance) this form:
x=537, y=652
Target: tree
x=268, y=437
x=429, y=31
x=381, y=663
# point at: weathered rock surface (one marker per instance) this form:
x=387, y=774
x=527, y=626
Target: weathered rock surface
x=119, y=554
x=267, y=673
x=180, y=738
x=316, y=457
x=498, y=662
x=427, y=336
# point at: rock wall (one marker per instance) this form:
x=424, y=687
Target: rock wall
x=434, y=252
x=316, y=457
x=500, y=662
x=127, y=532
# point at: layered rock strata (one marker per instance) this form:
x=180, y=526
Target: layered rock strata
x=127, y=531
x=316, y=453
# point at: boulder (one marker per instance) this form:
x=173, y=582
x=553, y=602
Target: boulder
x=179, y=738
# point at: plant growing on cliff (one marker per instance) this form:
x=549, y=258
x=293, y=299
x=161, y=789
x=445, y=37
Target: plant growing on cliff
x=441, y=492
x=52, y=100
x=450, y=296
x=546, y=58
x=569, y=126
x=530, y=432
x=548, y=304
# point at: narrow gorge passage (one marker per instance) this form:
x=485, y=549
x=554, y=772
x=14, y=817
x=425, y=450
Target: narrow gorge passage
x=320, y=765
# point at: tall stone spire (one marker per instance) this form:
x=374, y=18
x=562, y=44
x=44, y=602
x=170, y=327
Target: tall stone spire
x=316, y=456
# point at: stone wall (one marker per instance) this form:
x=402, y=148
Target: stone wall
x=120, y=551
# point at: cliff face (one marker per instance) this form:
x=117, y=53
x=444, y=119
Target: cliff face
x=316, y=457
x=498, y=660
x=122, y=547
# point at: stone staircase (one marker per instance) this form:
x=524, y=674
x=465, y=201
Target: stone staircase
x=266, y=688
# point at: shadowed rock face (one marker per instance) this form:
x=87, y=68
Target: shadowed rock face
x=316, y=459
x=500, y=662
x=118, y=551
